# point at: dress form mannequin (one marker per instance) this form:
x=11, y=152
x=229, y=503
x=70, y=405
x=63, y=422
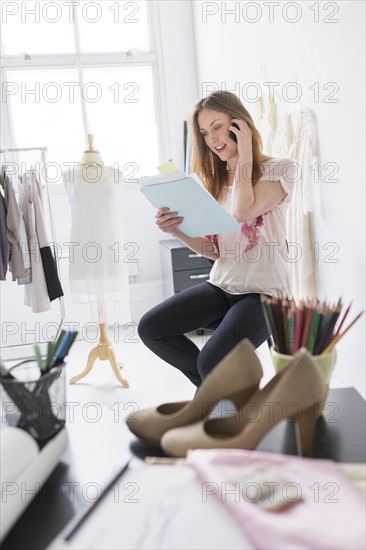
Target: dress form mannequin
x=93, y=173
x=92, y=168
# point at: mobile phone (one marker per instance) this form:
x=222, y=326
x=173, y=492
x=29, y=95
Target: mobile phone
x=232, y=135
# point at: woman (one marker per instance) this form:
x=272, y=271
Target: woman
x=256, y=190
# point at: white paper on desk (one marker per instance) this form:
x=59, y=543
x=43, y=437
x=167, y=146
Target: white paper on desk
x=201, y=212
x=157, y=507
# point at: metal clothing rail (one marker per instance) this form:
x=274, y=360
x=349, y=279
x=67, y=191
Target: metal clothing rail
x=43, y=151
x=21, y=149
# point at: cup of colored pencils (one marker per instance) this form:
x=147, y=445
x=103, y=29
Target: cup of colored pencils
x=311, y=324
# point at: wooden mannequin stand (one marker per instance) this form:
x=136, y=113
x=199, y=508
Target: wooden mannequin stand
x=104, y=352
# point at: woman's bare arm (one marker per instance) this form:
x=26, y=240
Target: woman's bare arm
x=169, y=221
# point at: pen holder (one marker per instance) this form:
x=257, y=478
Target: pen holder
x=34, y=402
x=325, y=362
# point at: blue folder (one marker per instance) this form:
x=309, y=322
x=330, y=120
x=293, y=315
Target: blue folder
x=201, y=212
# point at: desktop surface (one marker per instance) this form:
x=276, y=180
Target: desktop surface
x=340, y=436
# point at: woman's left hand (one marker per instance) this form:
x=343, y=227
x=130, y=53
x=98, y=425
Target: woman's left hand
x=244, y=136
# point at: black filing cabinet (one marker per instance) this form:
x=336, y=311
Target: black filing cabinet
x=181, y=267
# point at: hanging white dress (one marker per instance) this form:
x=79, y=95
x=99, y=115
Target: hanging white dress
x=300, y=146
x=265, y=119
x=97, y=273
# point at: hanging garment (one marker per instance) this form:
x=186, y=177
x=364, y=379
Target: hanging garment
x=4, y=241
x=19, y=257
x=36, y=295
x=301, y=147
x=266, y=122
x=54, y=287
x=98, y=275
x=53, y=284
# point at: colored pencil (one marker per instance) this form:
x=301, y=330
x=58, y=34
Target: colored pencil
x=308, y=313
x=336, y=338
x=343, y=319
x=289, y=337
x=319, y=334
x=293, y=327
x=298, y=328
x=277, y=314
x=328, y=331
x=313, y=330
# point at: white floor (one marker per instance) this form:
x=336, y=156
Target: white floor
x=152, y=381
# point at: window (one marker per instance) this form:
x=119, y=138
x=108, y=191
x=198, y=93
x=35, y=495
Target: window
x=75, y=67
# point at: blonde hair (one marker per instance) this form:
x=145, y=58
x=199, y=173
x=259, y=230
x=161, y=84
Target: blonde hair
x=208, y=166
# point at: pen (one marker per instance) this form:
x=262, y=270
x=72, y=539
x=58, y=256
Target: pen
x=63, y=348
x=79, y=520
x=165, y=461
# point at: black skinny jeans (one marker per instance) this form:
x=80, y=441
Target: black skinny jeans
x=163, y=328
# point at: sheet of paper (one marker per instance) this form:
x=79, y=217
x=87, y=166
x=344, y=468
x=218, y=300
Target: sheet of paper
x=157, y=507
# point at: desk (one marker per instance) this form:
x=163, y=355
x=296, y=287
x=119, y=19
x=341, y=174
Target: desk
x=181, y=267
x=340, y=436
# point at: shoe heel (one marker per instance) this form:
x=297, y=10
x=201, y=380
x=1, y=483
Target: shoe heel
x=305, y=430
x=241, y=397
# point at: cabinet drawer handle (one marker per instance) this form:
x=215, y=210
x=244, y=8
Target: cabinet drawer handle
x=201, y=276
x=194, y=255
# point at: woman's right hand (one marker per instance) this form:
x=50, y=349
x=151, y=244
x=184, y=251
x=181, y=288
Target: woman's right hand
x=168, y=221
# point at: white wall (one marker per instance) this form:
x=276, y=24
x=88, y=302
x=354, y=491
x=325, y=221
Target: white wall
x=233, y=51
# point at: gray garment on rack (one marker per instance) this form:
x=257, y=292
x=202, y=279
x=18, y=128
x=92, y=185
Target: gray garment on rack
x=4, y=241
x=15, y=230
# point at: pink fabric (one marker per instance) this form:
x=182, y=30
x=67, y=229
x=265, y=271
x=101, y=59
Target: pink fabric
x=336, y=521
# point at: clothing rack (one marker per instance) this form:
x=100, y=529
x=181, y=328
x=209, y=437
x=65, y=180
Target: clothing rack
x=43, y=151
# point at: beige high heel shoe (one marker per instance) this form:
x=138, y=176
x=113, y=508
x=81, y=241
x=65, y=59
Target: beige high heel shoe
x=236, y=378
x=294, y=393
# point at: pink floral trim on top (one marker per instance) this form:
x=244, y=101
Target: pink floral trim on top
x=251, y=231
